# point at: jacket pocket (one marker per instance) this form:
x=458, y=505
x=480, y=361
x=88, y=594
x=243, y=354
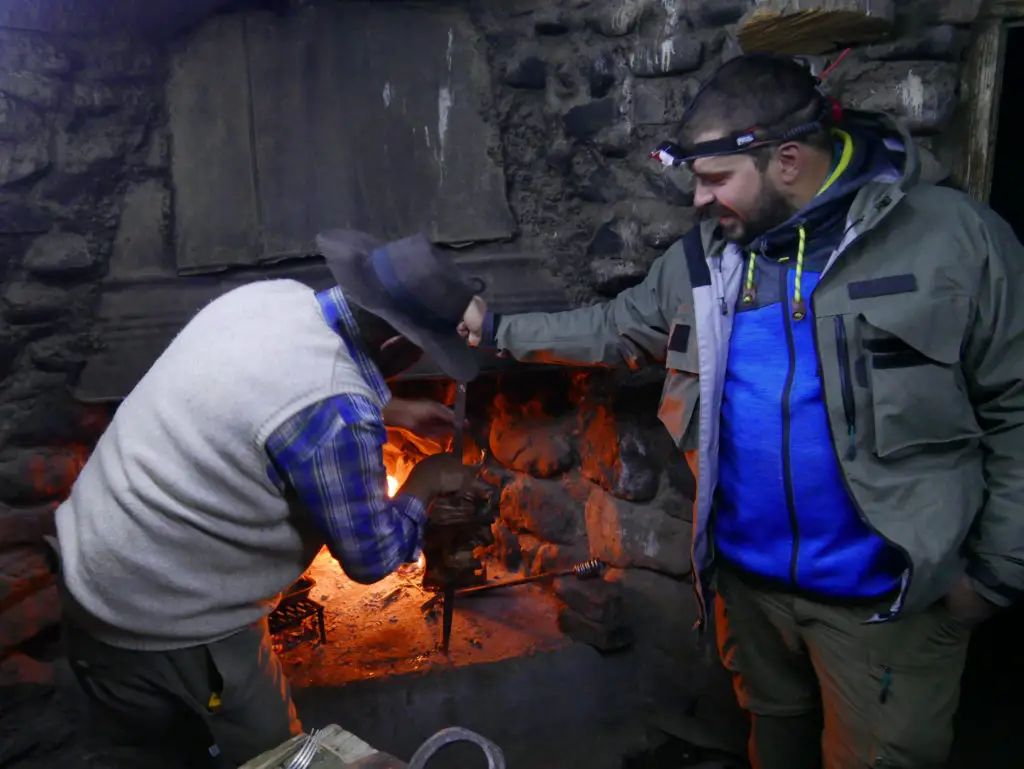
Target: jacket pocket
x=680, y=395
x=912, y=353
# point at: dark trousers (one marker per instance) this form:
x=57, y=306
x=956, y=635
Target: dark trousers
x=826, y=690
x=231, y=693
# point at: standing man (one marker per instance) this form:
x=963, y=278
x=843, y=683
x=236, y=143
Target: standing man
x=845, y=355
x=255, y=439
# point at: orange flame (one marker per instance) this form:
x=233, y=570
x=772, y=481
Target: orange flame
x=392, y=485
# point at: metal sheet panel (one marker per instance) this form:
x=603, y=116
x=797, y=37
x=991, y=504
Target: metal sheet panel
x=375, y=116
x=139, y=317
x=216, y=211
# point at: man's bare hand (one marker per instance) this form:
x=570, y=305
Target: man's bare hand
x=422, y=417
x=443, y=474
x=471, y=328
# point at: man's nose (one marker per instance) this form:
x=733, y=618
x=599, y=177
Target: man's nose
x=702, y=196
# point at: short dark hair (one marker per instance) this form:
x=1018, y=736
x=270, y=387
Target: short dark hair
x=772, y=92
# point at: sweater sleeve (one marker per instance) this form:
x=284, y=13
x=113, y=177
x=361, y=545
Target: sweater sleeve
x=329, y=456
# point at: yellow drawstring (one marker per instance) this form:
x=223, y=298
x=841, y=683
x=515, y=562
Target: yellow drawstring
x=798, y=305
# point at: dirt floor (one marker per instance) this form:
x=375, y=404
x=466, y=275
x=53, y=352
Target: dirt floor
x=383, y=629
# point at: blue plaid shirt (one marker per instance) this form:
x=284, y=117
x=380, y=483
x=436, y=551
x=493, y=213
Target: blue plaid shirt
x=330, y=456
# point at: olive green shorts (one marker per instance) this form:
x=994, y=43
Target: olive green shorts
x=824, y=688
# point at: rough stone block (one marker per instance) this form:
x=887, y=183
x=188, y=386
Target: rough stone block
x=29, y=617
x=661, y=101
x=672, y=185
x=23, y=159
x=662, y=224
x=52, y=416
x=22, y=669
x=598, y=600
x=601, y=75
x=19, y=216
x=921, y=93
x=38, y=90
x=920, y=12
x=25, y=525
x=26, y=51
x=681, y=53
x=944, y=42
x=135, y=102
x=34, y=303
x=18, y=121
x=811, y=27
x=610, y=276
x=617, y=456
x=624, y=534
x=551, y=557
x=120, y=60
x=715, y=13
x=64, y=353
x=585, y=121
x=620, y=17
x=604, y=637
x=31, y=476
x=24, y=570
x=550, y=509
x=61, y=255
x=99, y=145
x=528, y=72
x=530, y=443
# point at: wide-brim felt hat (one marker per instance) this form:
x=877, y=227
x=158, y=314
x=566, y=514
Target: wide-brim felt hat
x=412, y=285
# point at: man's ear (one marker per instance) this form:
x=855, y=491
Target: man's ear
x=790, y=159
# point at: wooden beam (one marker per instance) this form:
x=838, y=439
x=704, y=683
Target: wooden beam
x=983, y=79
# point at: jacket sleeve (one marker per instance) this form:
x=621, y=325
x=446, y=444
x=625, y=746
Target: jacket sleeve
x=629, y=330
x=994, y=367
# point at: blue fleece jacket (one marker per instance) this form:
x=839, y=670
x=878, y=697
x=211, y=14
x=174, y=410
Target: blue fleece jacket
x=781, y=509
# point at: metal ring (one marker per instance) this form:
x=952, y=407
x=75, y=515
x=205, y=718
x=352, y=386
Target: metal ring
x=478, y=284
x=426, y=751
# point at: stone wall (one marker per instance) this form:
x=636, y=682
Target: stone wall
x=79, y=129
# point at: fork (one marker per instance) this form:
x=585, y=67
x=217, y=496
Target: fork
x=307, y=753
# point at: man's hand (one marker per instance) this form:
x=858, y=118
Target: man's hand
x=966, y=605
x=442, y=474
x=425, y=418
x=471, y=328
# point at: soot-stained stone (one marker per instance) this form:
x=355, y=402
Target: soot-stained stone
x=25, y=303
x=601, y=75
x=21, y=216
x=610, y=276
x=587, y=120
x=617, y=456
x=626, y=534
x=61, y=256
x=619, y=17
x=533, y=444
x=943, y=42
x=547, y=508
x=30, y=476
x=529, y=73
x=676, y=55
x=38, y=90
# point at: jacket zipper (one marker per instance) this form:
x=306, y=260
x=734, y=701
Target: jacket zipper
x=846, y=381
x=787, y=470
